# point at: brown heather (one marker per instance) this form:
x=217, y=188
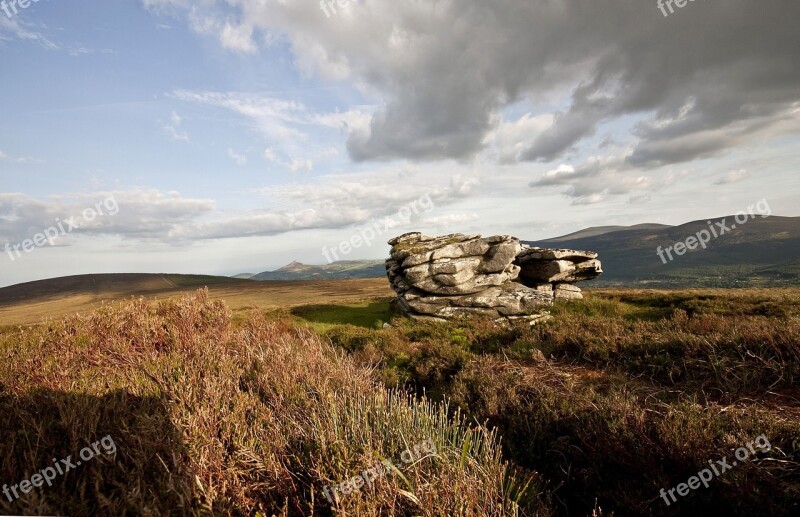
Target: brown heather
x=623, y=394
x=212, y=419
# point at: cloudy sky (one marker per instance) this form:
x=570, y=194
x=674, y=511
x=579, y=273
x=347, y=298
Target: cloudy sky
x=238, y=135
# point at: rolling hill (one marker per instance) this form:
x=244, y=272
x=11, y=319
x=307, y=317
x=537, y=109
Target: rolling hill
x=32, y=302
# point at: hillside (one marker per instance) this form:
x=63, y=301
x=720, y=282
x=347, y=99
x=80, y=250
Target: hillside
x=32, y=302
x=342, y=269
x=106, y=285
x=762, y=252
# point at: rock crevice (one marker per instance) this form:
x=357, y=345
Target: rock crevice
x=499, y=277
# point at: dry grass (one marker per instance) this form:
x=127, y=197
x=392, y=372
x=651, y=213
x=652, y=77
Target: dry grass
x=213, y=419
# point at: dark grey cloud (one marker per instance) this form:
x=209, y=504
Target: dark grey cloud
x=715, y=74
x=444, y=70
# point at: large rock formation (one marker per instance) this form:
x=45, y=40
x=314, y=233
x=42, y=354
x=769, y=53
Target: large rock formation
x=462, y=275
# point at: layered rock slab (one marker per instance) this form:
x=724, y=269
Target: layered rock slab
x=461, y=275
x=458, y=275
x=559, y=267
x=454, y=264
x=511, y=299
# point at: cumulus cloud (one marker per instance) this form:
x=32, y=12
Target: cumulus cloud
x=298, y=165
x=703, y=81
x=329, y=202
x=140, y=213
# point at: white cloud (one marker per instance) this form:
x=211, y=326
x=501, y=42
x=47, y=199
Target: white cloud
x=732, y=177
x=173, y=128
x=301, y=165
x=22, y=160
x=17, y=29
x=448, y=221
x=237, y=158
x=597, y=179
x=511, y=139
x=141, y=214
x=238, y=38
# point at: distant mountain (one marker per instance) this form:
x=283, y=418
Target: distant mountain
x=762, y=251
x=336, y=270
x=244, y=276
x=595, y=231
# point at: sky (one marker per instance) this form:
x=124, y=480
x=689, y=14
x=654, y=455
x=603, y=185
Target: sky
x=222, y=137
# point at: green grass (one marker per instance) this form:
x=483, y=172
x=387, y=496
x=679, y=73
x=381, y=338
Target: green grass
x=368, y=314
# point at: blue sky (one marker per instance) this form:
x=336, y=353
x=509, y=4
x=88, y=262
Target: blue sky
x=240, y=135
